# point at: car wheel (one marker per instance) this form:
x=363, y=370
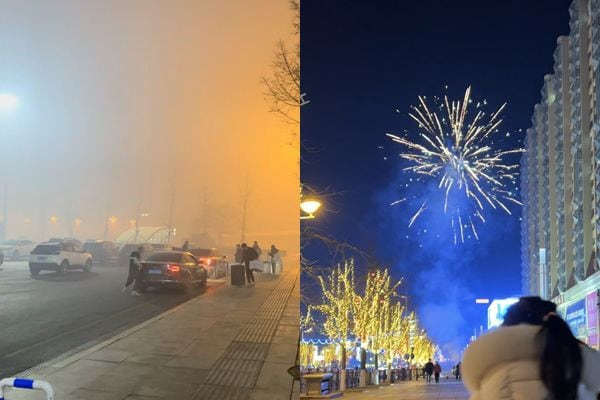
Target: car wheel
x=16, y=255
x=34, y=271
x=63, y=267
x=88, y=266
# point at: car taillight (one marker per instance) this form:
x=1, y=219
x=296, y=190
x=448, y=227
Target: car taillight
x=173, y=268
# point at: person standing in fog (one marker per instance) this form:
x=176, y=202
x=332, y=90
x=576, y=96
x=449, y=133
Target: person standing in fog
x=239, y=254
x=275, y=258
x=249, y=255
x=257, y=249
x=134, y=272
x=186, y=246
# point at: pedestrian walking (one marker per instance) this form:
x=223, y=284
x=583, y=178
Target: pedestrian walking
x=457, y=371
x=257, y=249
x=249, y=255
x=186, y=246
x=437, y=370
x=239, y=254
x=275, y=258
x=428, y=369
x=533, y=355
x=134, y=272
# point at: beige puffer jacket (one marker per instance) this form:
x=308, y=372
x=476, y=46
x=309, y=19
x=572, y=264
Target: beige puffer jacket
x=505, y=364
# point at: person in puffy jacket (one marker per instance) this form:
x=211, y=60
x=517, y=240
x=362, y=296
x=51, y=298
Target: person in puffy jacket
x=532, y=356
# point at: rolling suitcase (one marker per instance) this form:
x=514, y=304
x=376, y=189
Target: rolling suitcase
x=238, y=275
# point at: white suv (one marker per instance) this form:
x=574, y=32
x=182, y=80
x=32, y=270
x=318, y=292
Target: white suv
x=59, y=257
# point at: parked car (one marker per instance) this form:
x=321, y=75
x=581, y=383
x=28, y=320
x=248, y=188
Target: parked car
x=102, y=251
x=16, y=249
x=172, y=268
x=60, y=240
x=128, y=248
x=60, y=257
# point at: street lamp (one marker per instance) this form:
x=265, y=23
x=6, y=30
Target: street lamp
x=309, y=206
x=8, y=102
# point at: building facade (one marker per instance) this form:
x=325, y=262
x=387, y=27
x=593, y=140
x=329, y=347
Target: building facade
x=560, y=178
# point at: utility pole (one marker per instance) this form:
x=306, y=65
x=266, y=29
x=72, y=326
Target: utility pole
x=137, y=218
x=4, y=209
x=244, y=209
x=106, y=220
x=69, y=207
x=205, y=208
x=171, y=212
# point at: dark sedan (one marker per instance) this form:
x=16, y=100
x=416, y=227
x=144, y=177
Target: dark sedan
x=172, y=268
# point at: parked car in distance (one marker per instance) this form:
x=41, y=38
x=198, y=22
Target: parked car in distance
x=128, y=248
x=102, y=251
x=60, y=257
x=172, y=268
x=59, y=240
x=16, y=249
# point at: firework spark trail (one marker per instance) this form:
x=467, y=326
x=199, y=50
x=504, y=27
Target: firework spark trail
x=461, y=155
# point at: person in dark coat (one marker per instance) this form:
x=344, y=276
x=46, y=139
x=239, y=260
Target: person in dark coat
x=134, y=272
x=437, y=370
x=249, y=255
x=186, y=246
x=457, y=371
x=428, y=370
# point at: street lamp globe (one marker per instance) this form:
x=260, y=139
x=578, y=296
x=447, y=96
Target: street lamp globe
x=310, y=206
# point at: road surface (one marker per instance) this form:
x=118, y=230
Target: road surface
x=45, y=316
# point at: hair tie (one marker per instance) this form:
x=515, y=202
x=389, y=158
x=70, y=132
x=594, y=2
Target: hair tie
x=547, y=316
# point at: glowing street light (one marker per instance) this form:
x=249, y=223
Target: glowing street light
x=78, y=221
x=8, y=102
x=54, y=219
x=482, y=301
x=113, y=220
x=309, y=206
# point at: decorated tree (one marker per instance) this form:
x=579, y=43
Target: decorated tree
x=336, y=308
x=371, y=313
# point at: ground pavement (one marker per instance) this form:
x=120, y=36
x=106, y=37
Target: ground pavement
x=411, y=390
x=233, y=345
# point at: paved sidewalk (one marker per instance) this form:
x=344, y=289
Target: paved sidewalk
x=233, y=344
x=411, y=390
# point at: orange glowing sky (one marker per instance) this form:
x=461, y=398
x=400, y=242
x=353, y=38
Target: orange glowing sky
x=116, y=95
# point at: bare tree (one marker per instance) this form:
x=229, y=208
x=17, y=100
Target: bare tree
x=283, y=85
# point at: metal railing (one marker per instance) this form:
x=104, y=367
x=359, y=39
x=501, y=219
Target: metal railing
x=27, y=384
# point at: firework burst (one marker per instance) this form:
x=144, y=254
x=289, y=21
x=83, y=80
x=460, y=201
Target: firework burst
x=459, y=154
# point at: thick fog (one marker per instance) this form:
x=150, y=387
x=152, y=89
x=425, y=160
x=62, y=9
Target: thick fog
x=121, y=101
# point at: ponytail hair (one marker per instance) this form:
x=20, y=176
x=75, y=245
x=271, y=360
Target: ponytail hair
x=561, y=358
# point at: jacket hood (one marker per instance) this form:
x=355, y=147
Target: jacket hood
x=503, y=345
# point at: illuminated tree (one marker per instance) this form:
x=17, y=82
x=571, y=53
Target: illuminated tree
x=371, y=313
x=336, y=308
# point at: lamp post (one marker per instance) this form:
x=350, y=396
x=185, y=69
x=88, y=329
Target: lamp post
x=8, y=103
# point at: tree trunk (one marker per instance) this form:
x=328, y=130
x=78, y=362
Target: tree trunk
x=362, y=381
x=342, y=382
x=376, y=380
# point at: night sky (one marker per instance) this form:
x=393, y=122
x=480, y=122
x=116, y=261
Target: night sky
x=362, y=61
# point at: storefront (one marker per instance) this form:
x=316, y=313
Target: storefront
x=579, y=307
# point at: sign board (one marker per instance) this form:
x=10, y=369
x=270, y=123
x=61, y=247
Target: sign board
x=591, y=305
x=497, y=310
x=575, y=317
